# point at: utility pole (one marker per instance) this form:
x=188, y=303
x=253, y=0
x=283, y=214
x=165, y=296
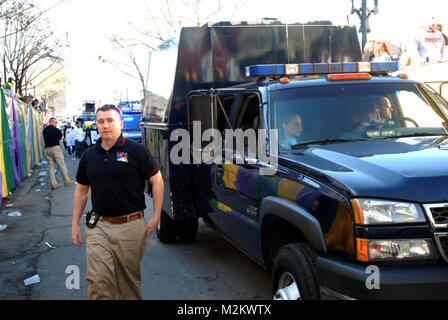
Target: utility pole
x=364, y=14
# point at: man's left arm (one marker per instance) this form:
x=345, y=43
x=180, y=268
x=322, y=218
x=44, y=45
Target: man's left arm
x=156, y=182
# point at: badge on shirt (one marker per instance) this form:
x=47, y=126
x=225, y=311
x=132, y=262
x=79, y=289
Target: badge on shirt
x=122, y=157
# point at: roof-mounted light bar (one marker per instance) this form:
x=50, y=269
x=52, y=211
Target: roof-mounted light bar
x=279, y=70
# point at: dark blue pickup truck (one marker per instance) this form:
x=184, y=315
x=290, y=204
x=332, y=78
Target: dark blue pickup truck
x=332, y=176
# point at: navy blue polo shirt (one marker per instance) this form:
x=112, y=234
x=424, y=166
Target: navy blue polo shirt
x=117, y=176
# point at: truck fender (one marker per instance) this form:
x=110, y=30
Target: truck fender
x=297, y=216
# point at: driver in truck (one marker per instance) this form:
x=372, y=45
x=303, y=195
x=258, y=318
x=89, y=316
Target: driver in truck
x=384, y=108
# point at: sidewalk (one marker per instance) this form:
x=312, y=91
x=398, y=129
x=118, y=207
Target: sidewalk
x=46, y=218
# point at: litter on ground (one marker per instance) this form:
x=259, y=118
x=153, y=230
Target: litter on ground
x=49, y=245
x=32, y=280
x=14, y=214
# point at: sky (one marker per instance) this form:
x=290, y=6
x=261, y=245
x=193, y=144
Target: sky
x=88, y=24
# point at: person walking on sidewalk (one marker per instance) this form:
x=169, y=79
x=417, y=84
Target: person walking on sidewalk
x=79, y=137
x=67, y=129
x=52, y=136
x=115, y=170
x=70, y=139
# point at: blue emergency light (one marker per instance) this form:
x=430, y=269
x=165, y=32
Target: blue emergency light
x=321, y=68
x=127, y=119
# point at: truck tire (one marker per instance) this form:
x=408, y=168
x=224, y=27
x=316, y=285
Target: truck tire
x=166, y=229
x=294, y=274
x=187, y=229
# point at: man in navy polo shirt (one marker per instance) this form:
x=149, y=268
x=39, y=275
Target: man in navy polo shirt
x=116, y=171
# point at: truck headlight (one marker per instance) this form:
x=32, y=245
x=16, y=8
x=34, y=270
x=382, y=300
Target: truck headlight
x=379, y=212
x=397, y=249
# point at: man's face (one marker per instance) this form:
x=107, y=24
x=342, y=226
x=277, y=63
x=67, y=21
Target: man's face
x=384, y=108
x=54, y=123
x=109, y=124
x=294, y=127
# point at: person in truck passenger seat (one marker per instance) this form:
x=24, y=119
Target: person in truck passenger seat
x=290, y=131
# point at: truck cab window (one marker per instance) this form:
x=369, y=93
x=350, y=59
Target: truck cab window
x=248, y=112
x=247, y=117
x=226, y=101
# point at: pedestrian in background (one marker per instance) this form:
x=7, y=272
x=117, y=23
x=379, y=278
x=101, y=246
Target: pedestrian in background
x=78, y=135
x=70, y=139
x=36, y=104
x=94, y=135
x=67, y=130
x=91, y=135
x=381, y=52
x=115, y=170
x=52, y=136
x=428, y=45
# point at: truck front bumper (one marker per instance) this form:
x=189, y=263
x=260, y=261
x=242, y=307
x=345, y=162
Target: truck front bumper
x=395, y=282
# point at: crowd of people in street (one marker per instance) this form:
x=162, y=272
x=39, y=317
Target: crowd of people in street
x=76, y=141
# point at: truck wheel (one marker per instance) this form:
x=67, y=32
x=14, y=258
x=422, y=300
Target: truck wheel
x=294, y=275
x=166, y=229
x=187, y=229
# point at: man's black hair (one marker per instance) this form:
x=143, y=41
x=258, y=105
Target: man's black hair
x=108, y=107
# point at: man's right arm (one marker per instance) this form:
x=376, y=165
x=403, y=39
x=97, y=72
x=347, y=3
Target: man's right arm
x=79, y=203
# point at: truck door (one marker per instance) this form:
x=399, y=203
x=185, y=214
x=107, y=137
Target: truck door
x=237, y=177
x=201, y=118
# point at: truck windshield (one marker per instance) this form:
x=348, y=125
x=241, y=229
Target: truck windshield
x=88, y=117
x=339, y=113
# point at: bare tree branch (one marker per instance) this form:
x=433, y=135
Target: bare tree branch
x=28, y=42
x=165, y=18
x=51, y=75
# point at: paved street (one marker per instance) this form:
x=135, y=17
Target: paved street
x=209, y=268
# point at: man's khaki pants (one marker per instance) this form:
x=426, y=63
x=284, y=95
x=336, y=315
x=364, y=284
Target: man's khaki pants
x=54, y=154
x=114, y=252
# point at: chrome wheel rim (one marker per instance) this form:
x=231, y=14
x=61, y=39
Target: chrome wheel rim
x=287, y=288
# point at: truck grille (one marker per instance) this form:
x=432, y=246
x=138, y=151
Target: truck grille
x=437, y=214
x=442, y=242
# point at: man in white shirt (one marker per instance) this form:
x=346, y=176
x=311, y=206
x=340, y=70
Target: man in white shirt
x=428, y=46
x=67, y=130
x=79, y=137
